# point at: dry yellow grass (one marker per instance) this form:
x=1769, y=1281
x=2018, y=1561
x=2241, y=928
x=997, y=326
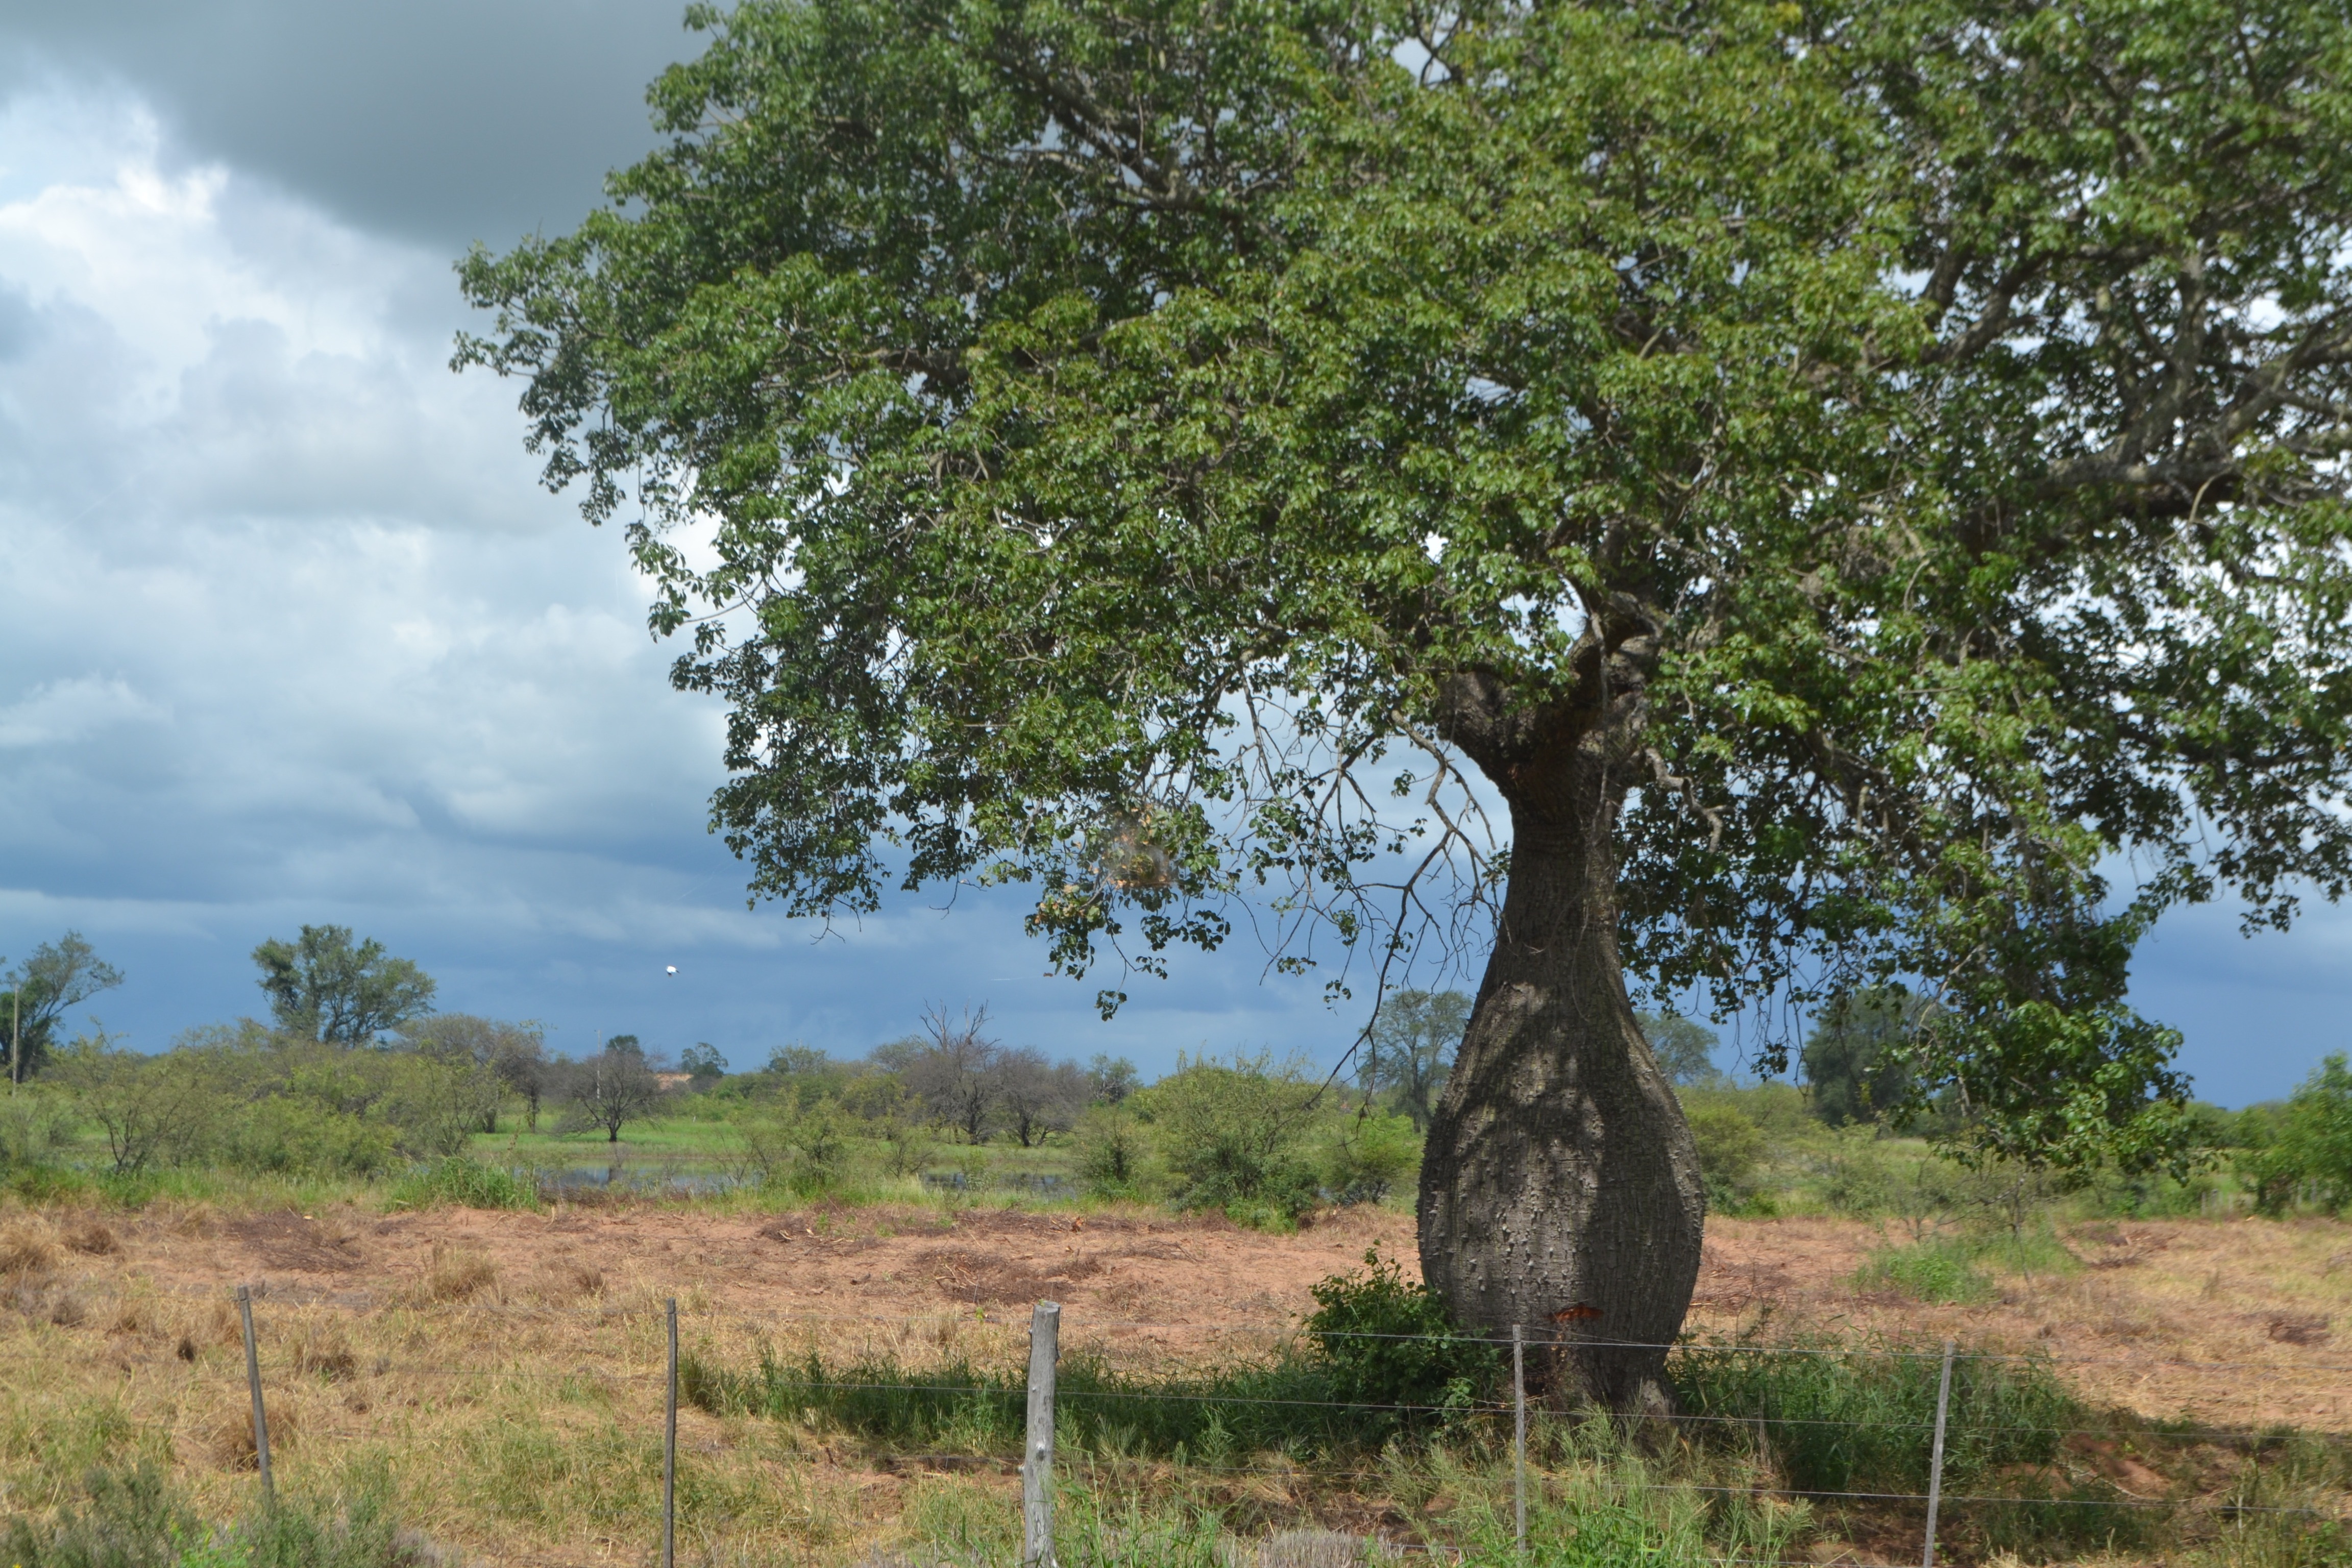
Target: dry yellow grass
x=504, y=1370
x=461, y=1275
x=2143, y=1319
x=29, y=1245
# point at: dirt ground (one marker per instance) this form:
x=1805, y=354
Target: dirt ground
x=2232, y=1322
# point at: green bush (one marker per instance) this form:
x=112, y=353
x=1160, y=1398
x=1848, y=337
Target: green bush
x=1730, y=1149
x=1842, y=1419
x=1856, y=1176
x=135, y=1518
x=463, y=1181
x=36, y=1126
x=1369, y=1155
x=2305, y=1151
x=296, y=1137
x=45, y=1184
x=783, y=1148
x=1110, y=1152
x=1388, y=1342
x=1338, y=1392
x=1236, y=1138
x=1292, y=1403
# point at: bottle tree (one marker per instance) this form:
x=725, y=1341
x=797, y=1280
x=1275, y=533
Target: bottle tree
x=1770, y=499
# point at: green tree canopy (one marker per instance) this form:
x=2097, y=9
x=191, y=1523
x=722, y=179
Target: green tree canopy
x=1848, y=481
x=324, y=987
x=59, y=974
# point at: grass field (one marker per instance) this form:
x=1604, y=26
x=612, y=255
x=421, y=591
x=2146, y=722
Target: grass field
x=491, y=1379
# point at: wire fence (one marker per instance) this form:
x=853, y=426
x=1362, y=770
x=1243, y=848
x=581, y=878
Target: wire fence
x=1834, y=1440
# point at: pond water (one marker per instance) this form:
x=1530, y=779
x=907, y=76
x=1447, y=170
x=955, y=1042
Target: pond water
x=1038, y=1183
x=639, y=1178
x=627, y=1176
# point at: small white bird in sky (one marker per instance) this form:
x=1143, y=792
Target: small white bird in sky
x=673, y=969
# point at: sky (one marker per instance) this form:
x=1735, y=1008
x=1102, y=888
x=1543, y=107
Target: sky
x=289, y=634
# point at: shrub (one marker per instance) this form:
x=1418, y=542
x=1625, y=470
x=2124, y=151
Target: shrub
x=806, y=1153
x=1388, y=1342
x=1374, y=1343
x=153, y=1110
x=1370, y=1155
x=285, y=1134
x=1730, y=1149
x=1840, y=1418
x=1857, y=1178
x=36, y=1126
x=136, y=1519
x=1235, y=1138
x=1110, y=1152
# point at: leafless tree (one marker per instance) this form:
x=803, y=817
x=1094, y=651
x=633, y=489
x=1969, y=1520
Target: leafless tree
x=1034, y=1096
x=952, y=1071
x=608, y=1090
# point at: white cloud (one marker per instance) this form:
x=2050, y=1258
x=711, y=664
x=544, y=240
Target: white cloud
x=280, y=583
x=66, y=710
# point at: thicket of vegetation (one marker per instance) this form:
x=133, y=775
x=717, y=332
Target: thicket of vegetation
x=355, y=1079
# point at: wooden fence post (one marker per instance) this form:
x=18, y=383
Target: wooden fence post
x=1038, y=1459
x=669, y=1451
x=1520, y=1432
x=1935, y=1457
x=253, y=1383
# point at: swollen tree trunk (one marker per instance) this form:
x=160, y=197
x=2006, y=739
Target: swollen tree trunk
x=1561, y=1189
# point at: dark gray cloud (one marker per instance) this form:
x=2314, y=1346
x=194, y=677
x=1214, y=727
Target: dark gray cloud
x=441, y=120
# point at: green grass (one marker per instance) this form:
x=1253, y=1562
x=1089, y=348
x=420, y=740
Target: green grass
x=1863, y=1419
x=1955, y=1268
x=1145, y=1460
x=1939, y=1270
x=1293, y=1404
x=463, y=1183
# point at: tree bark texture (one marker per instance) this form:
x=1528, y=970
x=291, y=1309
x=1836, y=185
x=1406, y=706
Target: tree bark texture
x=1561, y=1188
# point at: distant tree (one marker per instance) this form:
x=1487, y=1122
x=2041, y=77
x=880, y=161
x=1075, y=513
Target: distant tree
x=796, y=1061
x=1857, y=1058
x=609, y=1091
x=1035, y=1097
x=951, y=1070
x=323, y=987
x=1110, y=1079
x=1408, y=1054
x=628, y=1044
x=514, y=1053
x=1685, y=1051
x=703, y=1061
x=59, y=974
